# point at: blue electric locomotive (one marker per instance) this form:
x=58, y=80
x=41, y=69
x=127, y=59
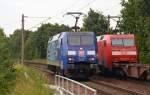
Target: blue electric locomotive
x=73, y=54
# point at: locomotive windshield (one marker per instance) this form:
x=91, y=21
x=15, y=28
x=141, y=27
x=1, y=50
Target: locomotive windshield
x=122, y=42
x=74, y=40
x=80, y=40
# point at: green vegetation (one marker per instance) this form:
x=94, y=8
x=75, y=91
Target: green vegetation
x=35, y=42
x=30, y=82
x=15, y=41
x=95, y=21
x=19, y=80
x=7, y=74
x=136, y=20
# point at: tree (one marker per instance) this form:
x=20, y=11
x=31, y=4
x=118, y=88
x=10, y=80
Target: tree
x=136, y=20
x=15, y=40
x=6, y=70
x=95, y=21
x=36, y=44
x=31, y=47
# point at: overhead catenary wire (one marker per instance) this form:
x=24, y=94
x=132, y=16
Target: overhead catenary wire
x=35, y=26
x=67, y=8
x=62, y=12
x=35, y=17
x=83, y=7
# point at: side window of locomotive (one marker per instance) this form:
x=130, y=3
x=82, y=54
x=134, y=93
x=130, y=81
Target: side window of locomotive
x=117, y=42
x=101, y=37
x=57, y=44
x=51, y=49
x=104, y=43
x=57, y=49
x=48, y=50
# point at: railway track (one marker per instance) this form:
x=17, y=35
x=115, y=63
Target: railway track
x=40, y=66
x=97, y=87
x=102, y=87
x=113, y=90
x=129, y=83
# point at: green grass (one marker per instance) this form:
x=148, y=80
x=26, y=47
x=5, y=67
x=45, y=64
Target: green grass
x=30, y=82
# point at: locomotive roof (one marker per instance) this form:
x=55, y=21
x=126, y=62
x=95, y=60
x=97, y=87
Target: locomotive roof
x=58, y=36
x=115, y=35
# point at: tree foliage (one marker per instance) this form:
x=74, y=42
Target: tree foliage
x=36, y=44
x=136, y=20
x=15, y=40
x=6, y=74
x=96, y=22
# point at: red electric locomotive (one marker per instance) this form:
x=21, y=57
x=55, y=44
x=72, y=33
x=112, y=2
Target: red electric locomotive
x=119, y=54
x=116, y=50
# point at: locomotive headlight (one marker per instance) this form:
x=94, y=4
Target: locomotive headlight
x=90, y=52
x=91, y=59
x=71, y=52
x=69, y=59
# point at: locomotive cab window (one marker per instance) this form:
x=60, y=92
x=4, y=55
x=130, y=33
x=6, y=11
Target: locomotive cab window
x=87, y=40
x=123, y=42
x=80, y=40
x=117, y=42
x=74, y=40
x=128, y=42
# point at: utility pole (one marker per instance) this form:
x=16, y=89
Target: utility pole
x=22, y=49
x=23, y=31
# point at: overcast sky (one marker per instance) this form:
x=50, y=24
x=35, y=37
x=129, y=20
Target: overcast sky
x=11, y=11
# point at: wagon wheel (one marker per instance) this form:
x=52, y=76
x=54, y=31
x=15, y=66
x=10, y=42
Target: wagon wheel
x=123, y=74
x=144, y=76
x=120, y=74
